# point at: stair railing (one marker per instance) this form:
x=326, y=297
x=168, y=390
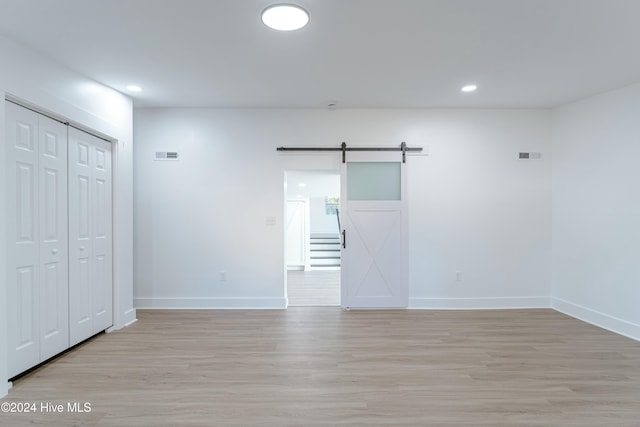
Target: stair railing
x=341, y=232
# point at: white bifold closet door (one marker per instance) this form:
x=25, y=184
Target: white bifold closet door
x=37, y=312
x=90, y=236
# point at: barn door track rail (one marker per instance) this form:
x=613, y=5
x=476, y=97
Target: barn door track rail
x=343, y=148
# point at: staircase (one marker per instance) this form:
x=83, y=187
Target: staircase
x=325, y=252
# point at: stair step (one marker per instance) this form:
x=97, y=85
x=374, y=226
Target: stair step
x=325, y=267
x=325, y=253
x=324, y=247
x=325, y=263
x=333, y=238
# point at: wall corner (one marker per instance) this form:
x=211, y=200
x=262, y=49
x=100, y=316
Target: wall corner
x=4, y=386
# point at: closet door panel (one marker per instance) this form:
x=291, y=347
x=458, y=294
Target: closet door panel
x=80, y=271
x=23, y=248
x=90, y=235
x=102, y=235
x=54, y=281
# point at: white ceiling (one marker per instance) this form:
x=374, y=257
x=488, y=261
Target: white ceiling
x=360, y=53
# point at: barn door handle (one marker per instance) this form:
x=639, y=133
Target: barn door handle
x=344, y=239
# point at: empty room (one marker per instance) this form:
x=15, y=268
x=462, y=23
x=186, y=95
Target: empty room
x=319, y=212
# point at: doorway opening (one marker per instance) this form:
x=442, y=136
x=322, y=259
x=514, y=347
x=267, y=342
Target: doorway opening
x=312, y=237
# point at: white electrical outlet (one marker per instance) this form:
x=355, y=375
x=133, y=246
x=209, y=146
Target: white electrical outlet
x=458, y=276
x=223, y=276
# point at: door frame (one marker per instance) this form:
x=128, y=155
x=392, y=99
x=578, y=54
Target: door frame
x=286, y=199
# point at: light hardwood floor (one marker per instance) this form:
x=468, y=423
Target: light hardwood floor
x=324, y=366
x=313, y=288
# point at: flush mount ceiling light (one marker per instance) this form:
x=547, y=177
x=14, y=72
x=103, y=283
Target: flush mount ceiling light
x=469, y=88
x=134, y=88
x=285, y=17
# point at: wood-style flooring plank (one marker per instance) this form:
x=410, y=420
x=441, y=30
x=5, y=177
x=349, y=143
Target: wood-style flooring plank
x=325, y=366
x=313, y=288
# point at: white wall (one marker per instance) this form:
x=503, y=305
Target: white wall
x=596, y=210
x=320, y=221
x=316, y=186
x=3, y=258
x=474, y=207
x=36, y=81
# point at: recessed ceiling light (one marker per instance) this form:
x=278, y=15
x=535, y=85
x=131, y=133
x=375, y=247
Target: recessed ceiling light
x=469, y=88
x=302, y=184
x=285, y=17
x=134, y=88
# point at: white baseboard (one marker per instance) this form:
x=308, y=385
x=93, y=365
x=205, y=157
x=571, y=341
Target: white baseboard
x=613, y=324
x=210, y=303
x=129, y=317
x=602, y=320
x=479, y=303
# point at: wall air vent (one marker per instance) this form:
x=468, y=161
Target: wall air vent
x=167, y=155
x=529, y=156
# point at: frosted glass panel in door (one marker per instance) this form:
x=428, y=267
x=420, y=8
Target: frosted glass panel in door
x=373, y=181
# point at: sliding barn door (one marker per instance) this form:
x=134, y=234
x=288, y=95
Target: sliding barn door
x=37, y=312
x=90, y=236
x=374, y=219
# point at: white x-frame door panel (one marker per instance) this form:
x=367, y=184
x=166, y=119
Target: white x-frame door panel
x=37, y=222
x=374, y=271
x=90, y=236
